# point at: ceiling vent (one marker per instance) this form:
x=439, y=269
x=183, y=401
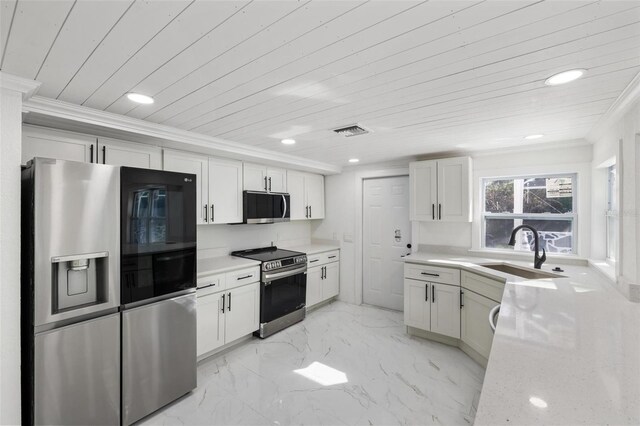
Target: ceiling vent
x=352, y=130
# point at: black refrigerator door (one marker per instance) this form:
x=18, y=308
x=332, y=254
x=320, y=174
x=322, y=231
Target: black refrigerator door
x=158, y=233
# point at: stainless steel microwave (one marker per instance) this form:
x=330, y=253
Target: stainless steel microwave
x=264, y=207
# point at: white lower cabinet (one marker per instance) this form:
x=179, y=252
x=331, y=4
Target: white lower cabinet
x=417, y=309
x=458, y=306
x=476, y=331
x=323, y=277
x=242, y=315
x=445, y=309
x=226, y=316
x=314, y=286
x=432, y=307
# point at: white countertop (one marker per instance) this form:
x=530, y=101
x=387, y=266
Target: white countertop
x=220, y=264
x=313, y=248
x=565, y=351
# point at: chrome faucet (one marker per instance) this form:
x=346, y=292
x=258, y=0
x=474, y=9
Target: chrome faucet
x=537, y=260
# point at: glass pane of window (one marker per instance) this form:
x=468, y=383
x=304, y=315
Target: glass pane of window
x=498, y=196
x=556, y=236
x=548, y=195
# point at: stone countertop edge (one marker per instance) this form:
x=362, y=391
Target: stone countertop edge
x=221, y=264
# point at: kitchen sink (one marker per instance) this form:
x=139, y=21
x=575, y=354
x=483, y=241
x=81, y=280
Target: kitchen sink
x=527, y=273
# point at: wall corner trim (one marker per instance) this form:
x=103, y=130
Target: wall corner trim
x=618, y=108
x=27, y=87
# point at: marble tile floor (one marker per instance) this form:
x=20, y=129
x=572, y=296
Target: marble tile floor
x=343, y=365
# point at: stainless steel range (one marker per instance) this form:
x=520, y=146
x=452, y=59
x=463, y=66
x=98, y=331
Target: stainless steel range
x=283, y=287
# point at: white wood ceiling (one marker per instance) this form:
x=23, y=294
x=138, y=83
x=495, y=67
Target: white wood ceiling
x=423, y=76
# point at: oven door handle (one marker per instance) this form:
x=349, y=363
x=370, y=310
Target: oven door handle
x=266, y=278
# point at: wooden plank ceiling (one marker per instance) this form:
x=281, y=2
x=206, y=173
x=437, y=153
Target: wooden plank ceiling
x=424, y=77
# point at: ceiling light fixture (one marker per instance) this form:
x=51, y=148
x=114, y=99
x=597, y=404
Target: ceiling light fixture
x=532, y=137
x=353, y=160
x=288, y=141
x=140, y=98
x=565, y=77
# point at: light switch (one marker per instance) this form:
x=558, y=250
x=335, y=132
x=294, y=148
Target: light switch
x=348, y=238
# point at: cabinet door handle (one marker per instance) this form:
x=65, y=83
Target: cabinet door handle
x=325, y=272
x=433, y=211
x=433, y=293
x=265, y=183
x=206, y=212
x=91, y=152
x=429, y=274
x=269, y=184
x=212, y=213
x=310, y=213
x=229, y=307
x=439, y=211
x=104, y=155
x=426, y=292
x=223, y=303
x=461, y=299
x=307, y=212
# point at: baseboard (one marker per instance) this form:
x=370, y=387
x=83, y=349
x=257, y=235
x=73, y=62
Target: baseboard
x=451, y=341
x=473, y=354
x=225, y=348
x=321, y=304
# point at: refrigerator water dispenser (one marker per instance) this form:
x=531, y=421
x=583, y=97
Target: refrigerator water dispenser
x=79, y=281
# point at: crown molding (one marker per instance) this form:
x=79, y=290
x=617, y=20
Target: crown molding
x=175, y=138
x=618, y=108
x=27, y=87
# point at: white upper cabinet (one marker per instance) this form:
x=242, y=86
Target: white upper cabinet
x=255, y=177
x=295, y=185
x=176, y=161
x=424, y=190
x=265, y=179
x=49, y=143
x=307, y=195
x=218, y=185
x=61, y=145
x=314, y=194
x=225, y=191
x=441, y=190
x=130, y=154
x=277, y=180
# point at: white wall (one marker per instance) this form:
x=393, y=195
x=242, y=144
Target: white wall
x=11, y=96
x=220, y=240
x=621, y=140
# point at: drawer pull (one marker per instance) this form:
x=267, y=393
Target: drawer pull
x=332, y=257
x=429, y=274
x=245, y=277
x=315, y=260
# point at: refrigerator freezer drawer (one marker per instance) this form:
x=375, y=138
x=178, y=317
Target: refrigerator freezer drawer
x=77, y=374
x=158, y=355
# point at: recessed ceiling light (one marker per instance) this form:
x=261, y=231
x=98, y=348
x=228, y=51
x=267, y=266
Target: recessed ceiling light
x=353, y=160
x=288, y=141
x=564, y=77
x=140, y=98
x=531, y=137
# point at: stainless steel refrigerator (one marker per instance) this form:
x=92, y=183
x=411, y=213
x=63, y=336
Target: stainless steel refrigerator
x=108, y=292
x=70, y=293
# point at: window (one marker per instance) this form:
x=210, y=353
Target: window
x=547, y=203
x=612, y=214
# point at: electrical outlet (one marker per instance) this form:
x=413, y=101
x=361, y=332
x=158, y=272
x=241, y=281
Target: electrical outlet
x=348, y=238
x=335, y=236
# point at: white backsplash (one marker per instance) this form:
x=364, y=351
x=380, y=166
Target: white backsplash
x=220, y=240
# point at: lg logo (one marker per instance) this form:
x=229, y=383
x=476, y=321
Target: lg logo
x=188, y=180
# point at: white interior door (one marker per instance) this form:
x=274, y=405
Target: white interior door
x=386, y=233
